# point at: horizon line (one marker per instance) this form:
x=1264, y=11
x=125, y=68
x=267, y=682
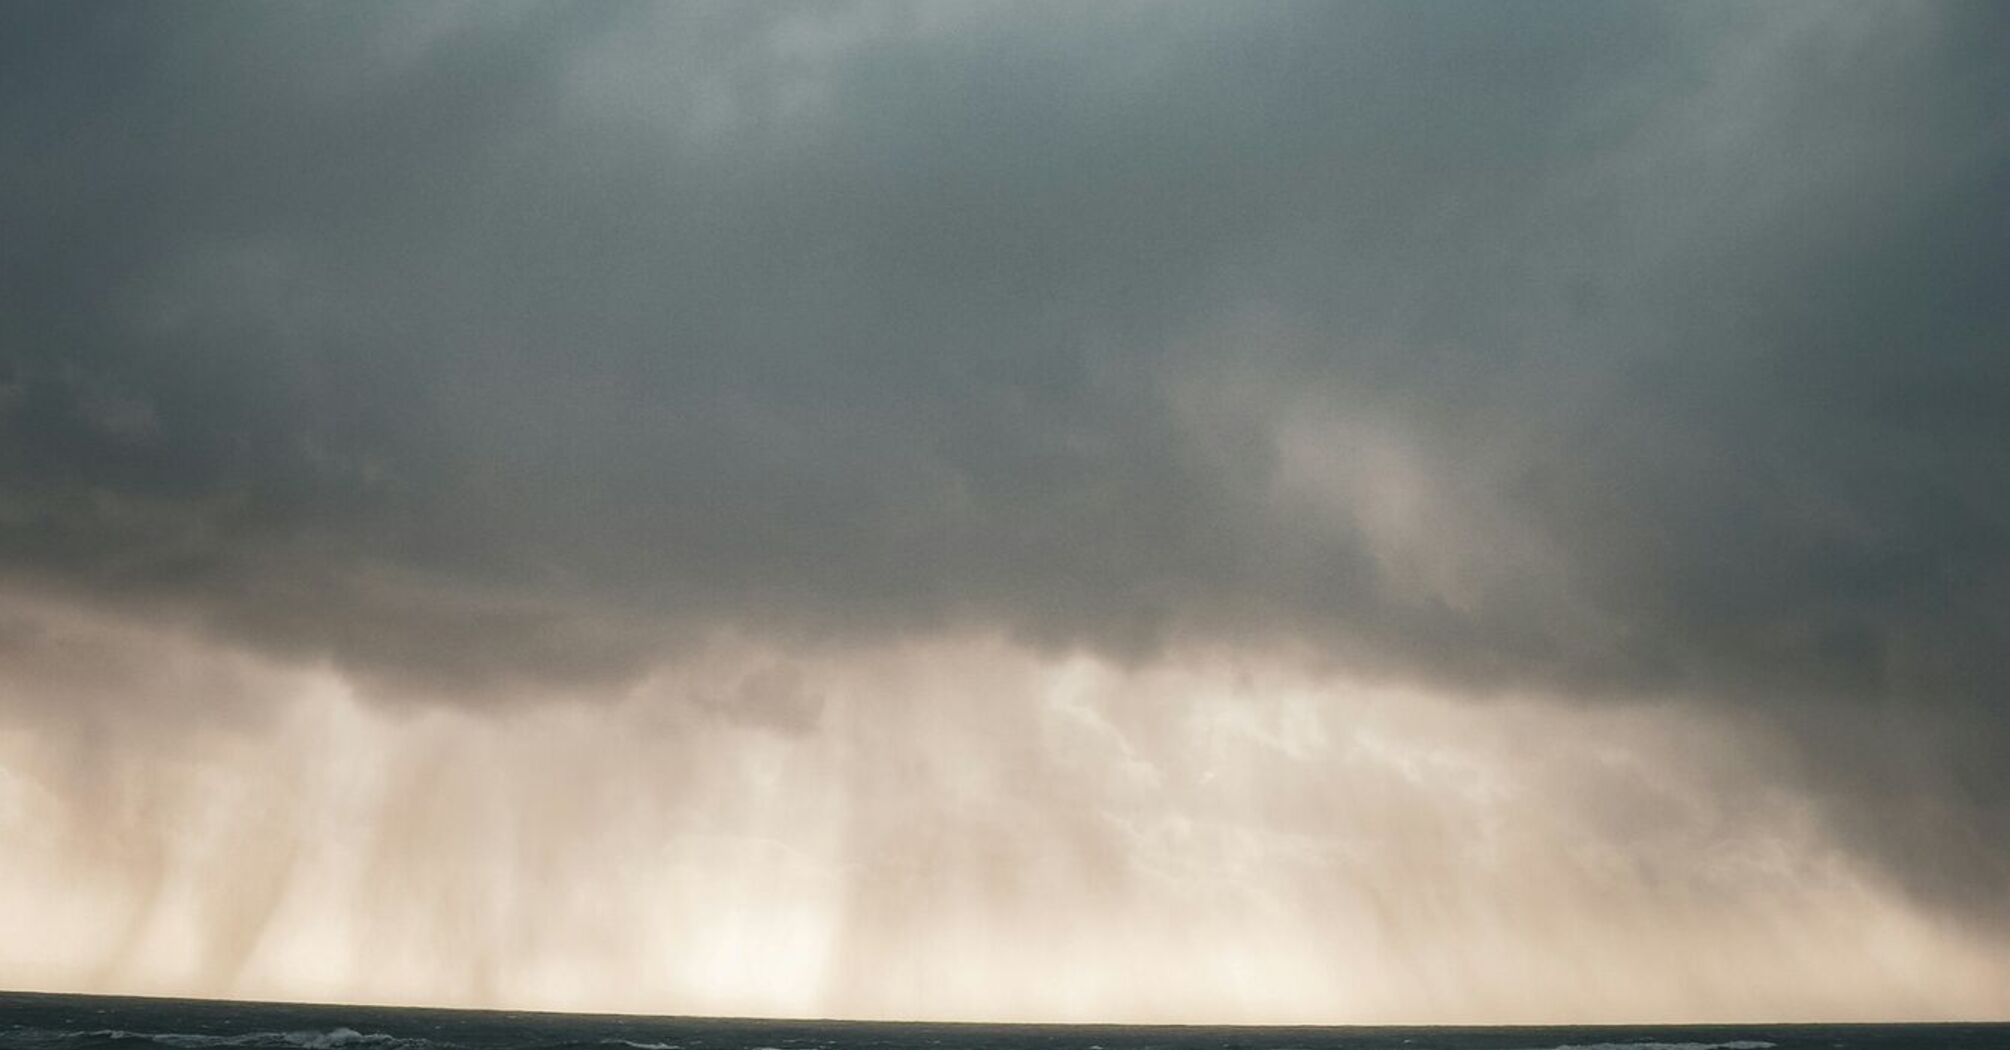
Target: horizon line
x=982, y=1023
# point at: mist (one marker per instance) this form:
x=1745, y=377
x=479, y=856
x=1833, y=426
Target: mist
x=1164, y=511
x=955, y=828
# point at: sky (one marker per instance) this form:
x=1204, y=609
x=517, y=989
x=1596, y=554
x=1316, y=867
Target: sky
x=1261, y=512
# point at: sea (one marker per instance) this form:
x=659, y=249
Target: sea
x=87, y=1022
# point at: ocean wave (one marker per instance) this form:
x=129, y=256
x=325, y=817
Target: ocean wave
x=1735, y=1044
x=332, y=1039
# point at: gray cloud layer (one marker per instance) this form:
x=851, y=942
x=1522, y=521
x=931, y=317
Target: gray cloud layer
x=1610, y=350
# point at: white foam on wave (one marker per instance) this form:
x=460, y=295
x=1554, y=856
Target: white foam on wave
x=633, y=1045
x=339, y=1037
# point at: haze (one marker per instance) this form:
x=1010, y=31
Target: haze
x=1449, y=512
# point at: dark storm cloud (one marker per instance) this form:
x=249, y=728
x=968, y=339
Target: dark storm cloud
x=1603, y=349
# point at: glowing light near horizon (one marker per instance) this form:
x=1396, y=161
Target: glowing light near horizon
x=948, y=828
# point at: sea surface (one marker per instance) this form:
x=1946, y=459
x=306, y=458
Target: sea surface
x=80, y=1022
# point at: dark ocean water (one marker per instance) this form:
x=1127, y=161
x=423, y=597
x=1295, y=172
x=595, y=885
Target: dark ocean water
x=76, y=1022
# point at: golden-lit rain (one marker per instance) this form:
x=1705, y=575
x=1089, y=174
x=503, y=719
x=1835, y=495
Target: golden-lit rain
x=954, y=828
